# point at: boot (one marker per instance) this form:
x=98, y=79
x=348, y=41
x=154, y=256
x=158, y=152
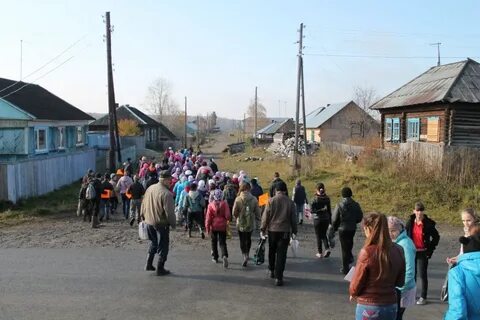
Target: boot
x=245, y=260
x=95, y=222
x=149, y=266
x=161, y=271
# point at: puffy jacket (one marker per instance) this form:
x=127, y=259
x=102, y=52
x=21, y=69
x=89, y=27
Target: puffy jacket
x=245, y=210
x=464, y=288
x=195, y=201
x=409, y=251
x=280, y=215
x=299, y=195
x=218, y=214
x=256, y=191
x=177, y=190
x=430, y=233
x=365, y=286
x=321, y=208
x=137, y=190
x=346, y=215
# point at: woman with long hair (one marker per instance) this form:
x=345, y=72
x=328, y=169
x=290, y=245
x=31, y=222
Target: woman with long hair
x=218, y=214
x=322, y=218
x=469, y=219
x=380, y=268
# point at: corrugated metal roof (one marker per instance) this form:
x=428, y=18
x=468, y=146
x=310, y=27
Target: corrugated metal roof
x=453, y=82
x=273, y=127
x=320, y=115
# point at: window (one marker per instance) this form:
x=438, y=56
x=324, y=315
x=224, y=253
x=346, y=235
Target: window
x=41, y=140
x=433, y=129
x=413, y=129
x=79, y=136
x=388, y=129
x=60, y=141
x=395, y=129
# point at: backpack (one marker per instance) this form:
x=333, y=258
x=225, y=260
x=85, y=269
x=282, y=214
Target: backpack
x=230, y=195
x=245, y=219
x=196, y=204
x=90, y=194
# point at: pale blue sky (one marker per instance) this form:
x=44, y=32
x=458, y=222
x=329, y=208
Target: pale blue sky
x=216, y=52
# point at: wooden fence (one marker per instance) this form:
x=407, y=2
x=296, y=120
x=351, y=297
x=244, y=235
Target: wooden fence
x=38, y=176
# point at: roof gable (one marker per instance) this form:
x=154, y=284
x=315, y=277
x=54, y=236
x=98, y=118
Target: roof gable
x=322, y=114
x=274, y=127
x=39, y=102
x=453, y=82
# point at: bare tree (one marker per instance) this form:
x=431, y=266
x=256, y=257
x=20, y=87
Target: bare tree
x=159, y=99
x=366, y=97
x=261, y=110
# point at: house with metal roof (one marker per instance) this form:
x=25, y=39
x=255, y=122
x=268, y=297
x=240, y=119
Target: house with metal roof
x=340, y=122
x=277, y=130
x=440, y=106
x=156, y=134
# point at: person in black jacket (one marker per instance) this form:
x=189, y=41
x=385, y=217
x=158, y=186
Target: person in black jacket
x=137, y=191
x=421, y=229
x=273, y=186
x=95, y=203
x=105, y=202
x=346, y=216
x=256, y=190
x=322, y=218
x=300, y=198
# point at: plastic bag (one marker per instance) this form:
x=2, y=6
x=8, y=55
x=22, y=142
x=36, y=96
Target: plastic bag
x=142, y=231
x=259, y=256
x=229, y=231
x=294, y=244
x=307, y=212
x=331, y=237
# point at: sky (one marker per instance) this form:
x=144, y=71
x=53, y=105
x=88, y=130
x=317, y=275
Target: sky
x=216, y=52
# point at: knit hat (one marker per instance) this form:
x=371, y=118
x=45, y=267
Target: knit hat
x=217, y=195
x=471, y=243
x=347, y=192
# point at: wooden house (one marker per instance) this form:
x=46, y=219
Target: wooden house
x=157, y=136
x=340, y=122
x=440, y=106
x=277, y=130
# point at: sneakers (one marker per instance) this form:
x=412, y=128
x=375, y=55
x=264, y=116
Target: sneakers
x=225, y=262
x=327, y=253
x=301, y=221
x=132, y=221
x=279, y=282
x=421, y=302
x=214, y=260
x=245, y=260
x=319, y=255
x=272, y=274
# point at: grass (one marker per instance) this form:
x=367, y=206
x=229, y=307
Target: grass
x=58, y=201
x=377, y=185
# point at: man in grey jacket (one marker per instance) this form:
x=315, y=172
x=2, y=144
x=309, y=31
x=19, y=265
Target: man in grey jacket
x=158, y=211
x=346, y=216
x=279, y=219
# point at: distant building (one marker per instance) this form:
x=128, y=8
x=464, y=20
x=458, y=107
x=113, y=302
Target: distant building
x=249, y=123
x=277, y=130
x=340, y=122
x=440, y=106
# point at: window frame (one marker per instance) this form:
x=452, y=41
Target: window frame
x=78, y=142
x=37, y=140
x=388, y=129
x=396, y=130
x=413, y=129
x=61, y=138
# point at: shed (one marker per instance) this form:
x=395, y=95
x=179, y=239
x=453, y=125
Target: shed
x=277, y=130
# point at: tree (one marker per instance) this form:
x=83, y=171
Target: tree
x=365, y=97
x=159, y=98
x=213, y=119
x=128, y=127
x=261, y=110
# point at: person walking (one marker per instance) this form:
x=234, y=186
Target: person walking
x=123, y=184
x=273, y=188
x=105, y=198
x=380, y=268
x=300, y=198
x=405, y=294
x=245, y=210
x=346, y=216
x=195, y=204
x=256, y=190
x=421, y=229
x=158, y=212
x=230, y=194
x=218, y=214
x=279, y=219
x=322, y=218
x=137, y=191
x=464, y=280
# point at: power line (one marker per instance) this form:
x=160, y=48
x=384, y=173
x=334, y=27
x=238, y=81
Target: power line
x=382, y=57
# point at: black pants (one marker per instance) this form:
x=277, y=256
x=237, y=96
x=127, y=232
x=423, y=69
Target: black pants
x=219, y=236
x=196, y=217
x=245, y=241
x=160, y=240
x=321, y=227
x=400, y=310
x=421, y=265
x=346, y=242
x=277, y=252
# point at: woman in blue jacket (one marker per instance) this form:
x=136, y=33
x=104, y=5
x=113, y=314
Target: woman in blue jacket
x=464, y=280
x=396, y=228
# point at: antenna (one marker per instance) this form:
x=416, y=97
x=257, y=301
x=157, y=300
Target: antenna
x=438, y=51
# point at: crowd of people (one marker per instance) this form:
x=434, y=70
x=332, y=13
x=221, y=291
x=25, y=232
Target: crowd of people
x=188, y=190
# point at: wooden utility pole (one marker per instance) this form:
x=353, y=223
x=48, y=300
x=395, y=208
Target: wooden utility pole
x=303, y=112
x=111, y=96
x=198, y=131
x=186, y=123
x=255, y=129
x=297, y=107
x=438, y=51
x=117, y=134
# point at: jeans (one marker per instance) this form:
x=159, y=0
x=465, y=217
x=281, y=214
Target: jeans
x=245, y=241
x=371, y=312
x=125, y=205
x=421, y=265
x=346, y=242
x=135, y=205
x=321, y=227
x=160, y=240
x=105, y=207
x=196, y=217
x=277, y=252
x=299, y=211
x=219, y=236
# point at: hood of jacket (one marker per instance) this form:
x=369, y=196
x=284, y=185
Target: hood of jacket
x=470, y=261
x=193, y=194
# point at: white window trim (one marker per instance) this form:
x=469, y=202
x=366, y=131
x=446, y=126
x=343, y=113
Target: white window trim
x=61, y=138
x=79, y=144
x=37, y=140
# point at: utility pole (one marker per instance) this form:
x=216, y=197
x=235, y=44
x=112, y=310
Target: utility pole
x=21, y=59
x=297, y=107
x=255, y=137
x=303, y=112
x=117, y=135
x=438, y=51
x=111, y=95
x=198, y=131
x=244, y=125
x=186, y=123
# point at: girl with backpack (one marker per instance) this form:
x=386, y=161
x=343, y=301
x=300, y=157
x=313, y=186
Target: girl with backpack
x=195, y=204
x=245, y=210
x=218, y=214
